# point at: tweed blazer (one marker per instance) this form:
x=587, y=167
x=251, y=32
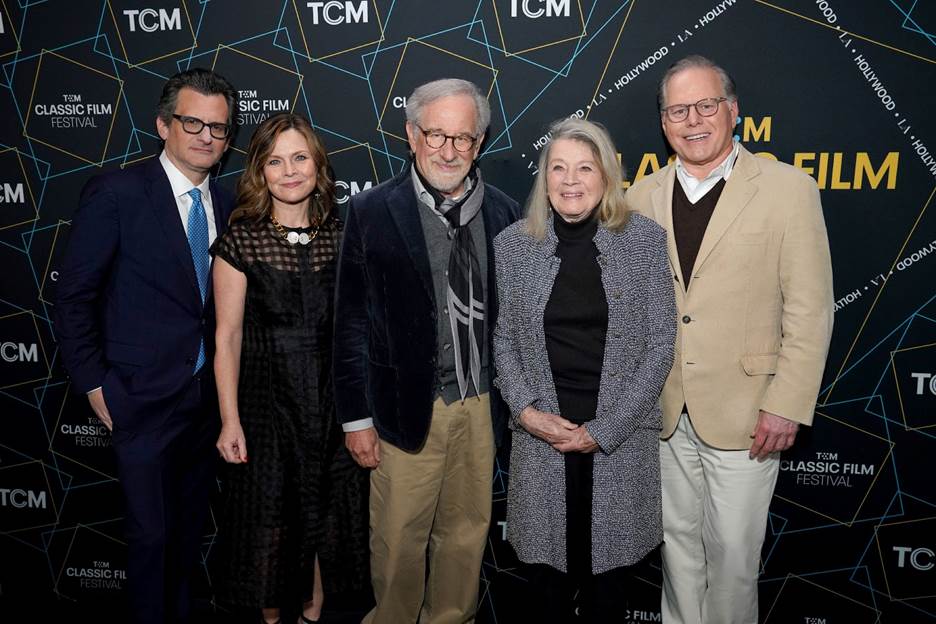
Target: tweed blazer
x=626, y=500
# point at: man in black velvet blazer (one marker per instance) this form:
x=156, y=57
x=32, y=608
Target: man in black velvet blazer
x=415, y=308
x=134, y=320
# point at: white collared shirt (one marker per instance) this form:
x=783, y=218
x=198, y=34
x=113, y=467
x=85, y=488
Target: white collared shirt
x=695, y=188
x=180, y=190
x=426, y=198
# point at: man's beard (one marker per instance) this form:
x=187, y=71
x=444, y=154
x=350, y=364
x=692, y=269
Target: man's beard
x=446, y=183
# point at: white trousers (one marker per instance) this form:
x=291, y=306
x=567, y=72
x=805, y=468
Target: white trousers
x=715, y=506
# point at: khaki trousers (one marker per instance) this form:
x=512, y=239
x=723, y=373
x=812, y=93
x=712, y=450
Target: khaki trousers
x=715, y=506
x=436, y=501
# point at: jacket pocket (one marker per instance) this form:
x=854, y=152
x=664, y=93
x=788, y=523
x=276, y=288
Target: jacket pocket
x=760, y=363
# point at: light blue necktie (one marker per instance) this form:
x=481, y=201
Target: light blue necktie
x=198, y=242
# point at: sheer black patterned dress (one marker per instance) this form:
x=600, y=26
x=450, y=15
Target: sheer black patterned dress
x=300, y=494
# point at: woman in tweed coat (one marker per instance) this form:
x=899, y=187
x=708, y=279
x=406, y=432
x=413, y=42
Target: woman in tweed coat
x=583, y=343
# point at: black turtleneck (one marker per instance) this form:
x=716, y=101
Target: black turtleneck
x=576, y=320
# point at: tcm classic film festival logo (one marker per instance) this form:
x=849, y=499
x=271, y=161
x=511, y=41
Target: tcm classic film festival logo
x=333, y=27
x=543, y=31
x=73, y=107
x=99, y=575
x=22, y=355
x=159, y=29
x=825, y=469
x=26, y=501
x=834, y=470
x=16, y=196
x=915, y=380
x=264, y=89
x=94, y=565
x=907, y=552
x=527, y=26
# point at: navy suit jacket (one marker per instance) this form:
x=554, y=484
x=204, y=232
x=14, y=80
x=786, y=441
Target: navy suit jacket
x=385, y=312
x=128, y=313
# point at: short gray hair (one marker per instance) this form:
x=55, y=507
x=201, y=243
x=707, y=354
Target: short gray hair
x=437, y=89
x=697, y=61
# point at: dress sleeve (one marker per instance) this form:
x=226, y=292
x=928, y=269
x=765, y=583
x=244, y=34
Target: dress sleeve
x=227, y=246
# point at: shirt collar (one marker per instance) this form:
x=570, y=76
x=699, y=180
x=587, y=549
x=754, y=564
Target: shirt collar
x=177, y=180
x=425, y=197
x=723, y=170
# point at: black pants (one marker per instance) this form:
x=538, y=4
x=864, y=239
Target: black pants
x=577, y=595
x=166, y=475
x=556, y=597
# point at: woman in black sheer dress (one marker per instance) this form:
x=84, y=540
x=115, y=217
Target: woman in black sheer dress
x=294, y=521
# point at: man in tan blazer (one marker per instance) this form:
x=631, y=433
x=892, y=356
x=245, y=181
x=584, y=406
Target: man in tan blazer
x=750, y=258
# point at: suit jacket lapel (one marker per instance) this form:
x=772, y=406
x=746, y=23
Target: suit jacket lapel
x=662, y=200
x=166, y=211
x=737, y=193
x=221, y=216
x=403, y=205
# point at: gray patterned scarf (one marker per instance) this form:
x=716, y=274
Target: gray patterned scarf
x=465, y=293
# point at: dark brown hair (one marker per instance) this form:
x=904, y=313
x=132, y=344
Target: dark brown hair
x=200, y=80
x=253, y=196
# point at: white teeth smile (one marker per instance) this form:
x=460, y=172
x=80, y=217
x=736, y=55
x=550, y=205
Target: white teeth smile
x=696, y=137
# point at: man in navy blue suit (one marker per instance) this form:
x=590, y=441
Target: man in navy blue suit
x=134, y=320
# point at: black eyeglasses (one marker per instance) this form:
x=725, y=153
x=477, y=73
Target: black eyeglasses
x=705, y=108
x=436, y=139
x=194, y=125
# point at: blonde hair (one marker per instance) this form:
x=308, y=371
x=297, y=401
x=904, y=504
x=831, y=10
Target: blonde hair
x=612, y=213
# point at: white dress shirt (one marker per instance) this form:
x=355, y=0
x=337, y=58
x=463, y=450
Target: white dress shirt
x=695, y=188
x=180, y=189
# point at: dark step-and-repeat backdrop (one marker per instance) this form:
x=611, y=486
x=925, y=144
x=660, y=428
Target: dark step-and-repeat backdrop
x=843, y=89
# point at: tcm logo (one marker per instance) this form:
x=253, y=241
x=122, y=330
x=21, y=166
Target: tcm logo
x=921, y=383
x=344, y=190
x=335, y=12
x=12, y=193
x=540, y=8
x=18, y=352
x=919, y=558
x=151, y=20
x=22, y=498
